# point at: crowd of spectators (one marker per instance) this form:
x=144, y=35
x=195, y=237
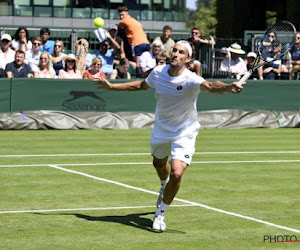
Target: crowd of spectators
x=124, y=53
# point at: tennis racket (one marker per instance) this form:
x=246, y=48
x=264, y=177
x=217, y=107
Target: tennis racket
x=275, y=43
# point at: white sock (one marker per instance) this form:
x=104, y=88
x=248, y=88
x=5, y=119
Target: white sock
x=164, y=182
x=162, y=209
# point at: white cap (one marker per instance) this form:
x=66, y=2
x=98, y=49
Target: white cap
x=251, y=54
x=6, y=36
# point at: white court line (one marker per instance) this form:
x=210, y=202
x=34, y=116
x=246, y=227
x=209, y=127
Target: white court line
x=84, y=209
x=181, y=200
x=132, y=154
x=143, y=163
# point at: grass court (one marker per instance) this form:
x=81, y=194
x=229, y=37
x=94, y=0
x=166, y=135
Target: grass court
x=97, y=189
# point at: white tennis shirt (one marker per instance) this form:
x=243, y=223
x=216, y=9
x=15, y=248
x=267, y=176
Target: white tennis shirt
x=176, y=106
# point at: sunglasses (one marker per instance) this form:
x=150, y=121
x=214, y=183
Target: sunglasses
x=43, y=58
x=5, y=41
x=37, y=44
x=196, y=33
x=68, y=61
x=98, y=64
x=57, y=45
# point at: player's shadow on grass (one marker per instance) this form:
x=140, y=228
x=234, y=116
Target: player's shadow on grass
x=133, y=220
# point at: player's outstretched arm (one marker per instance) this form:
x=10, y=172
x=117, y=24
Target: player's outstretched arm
x=220, y=87
x=129, y=86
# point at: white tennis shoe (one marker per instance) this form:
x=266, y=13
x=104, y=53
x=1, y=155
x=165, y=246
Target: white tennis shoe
x=160, y=197
x=159, y=223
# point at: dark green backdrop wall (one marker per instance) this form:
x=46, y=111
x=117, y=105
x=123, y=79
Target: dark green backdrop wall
x=83, y=95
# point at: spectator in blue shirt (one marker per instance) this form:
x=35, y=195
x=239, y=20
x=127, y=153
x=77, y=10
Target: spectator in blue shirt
x=48, y=45
x=107, y=55
x=18, y=69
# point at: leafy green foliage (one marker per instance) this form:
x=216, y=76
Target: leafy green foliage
x=204, y=17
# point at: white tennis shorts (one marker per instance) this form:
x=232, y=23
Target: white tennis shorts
x=181, y=148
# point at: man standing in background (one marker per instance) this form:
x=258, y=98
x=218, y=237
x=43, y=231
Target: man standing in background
x=134, y=32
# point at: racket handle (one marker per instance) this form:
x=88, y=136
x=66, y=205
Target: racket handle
x=244, y=78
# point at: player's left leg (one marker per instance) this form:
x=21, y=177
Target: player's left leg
x=182, y=150
x=177, y=169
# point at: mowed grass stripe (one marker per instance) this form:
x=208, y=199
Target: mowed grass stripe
x=136, y=154
x=145, y=163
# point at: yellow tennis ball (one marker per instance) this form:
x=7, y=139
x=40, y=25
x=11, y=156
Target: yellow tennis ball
x=98, y=22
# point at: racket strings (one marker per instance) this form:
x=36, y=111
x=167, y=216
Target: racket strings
x=277, y=40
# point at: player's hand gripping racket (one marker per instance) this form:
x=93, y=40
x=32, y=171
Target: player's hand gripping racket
x=275, y=43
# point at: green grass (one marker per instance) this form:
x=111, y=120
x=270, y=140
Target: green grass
x=264, y=190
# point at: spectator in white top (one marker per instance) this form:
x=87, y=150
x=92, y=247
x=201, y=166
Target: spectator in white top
x=148, y=58
x=21, y=40
x=237, y=64
x=32, y=57
x=7, y=55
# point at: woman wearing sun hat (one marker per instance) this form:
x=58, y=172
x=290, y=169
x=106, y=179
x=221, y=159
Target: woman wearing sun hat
x=70, y=70
x=234, y=64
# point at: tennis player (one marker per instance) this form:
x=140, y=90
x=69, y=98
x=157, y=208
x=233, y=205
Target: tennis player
x=176, y=125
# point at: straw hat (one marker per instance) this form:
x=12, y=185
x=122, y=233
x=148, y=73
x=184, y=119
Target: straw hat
x=70, y=57
x=236, y=48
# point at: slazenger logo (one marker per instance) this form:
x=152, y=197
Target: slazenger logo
x=83, y=101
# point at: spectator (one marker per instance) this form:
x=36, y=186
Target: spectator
x=166, y=40
x=120, y=53
x=107, y=56
x=21, y=40
x=271, y=69
x=135, y=33
x=249, y=61
x=70, y=70
x=94, y=72
x=161, y=59
x=7, y=55
x=224, y=52
x=197, y=41
x=48, y=45
x=122, y=71
x=194, y=65
x=18, y=68
x=237, y=65
x=83, y=55
x=57, y=56
x=32, y=57
x=44, y=69
x=295, y=54
x=148, y=58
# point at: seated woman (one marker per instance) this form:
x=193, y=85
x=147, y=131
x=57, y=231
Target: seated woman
x=44, y=69
x=57, y=56
x=94, y=72
x=122, y=71
x=70, y=70
x=21, y=40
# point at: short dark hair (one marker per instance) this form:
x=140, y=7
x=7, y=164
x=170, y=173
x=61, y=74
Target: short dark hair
x=20, y=52
x=124, y=61
x=122, y=8
x=44, y=30
x=167, y=27
x=196, y=28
